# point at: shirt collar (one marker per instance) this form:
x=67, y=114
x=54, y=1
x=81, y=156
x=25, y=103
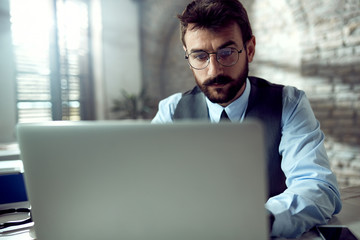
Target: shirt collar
x=235, y=110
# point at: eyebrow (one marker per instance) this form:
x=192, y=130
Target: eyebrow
x=226, y=44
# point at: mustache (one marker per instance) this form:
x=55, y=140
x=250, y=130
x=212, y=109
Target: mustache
x=221, y=79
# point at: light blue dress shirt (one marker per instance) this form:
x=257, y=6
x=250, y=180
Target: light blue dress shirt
x=312, y=195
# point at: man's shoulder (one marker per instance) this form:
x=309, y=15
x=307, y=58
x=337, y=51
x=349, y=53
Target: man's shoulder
x=167, y=108
x=289, y=92
x=172, y=99
x=292, y=94
x=260, y=82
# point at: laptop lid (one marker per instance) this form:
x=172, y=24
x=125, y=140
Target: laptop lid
x=136, y=180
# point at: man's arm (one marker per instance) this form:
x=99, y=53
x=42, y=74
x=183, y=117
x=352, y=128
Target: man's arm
x=312, y=196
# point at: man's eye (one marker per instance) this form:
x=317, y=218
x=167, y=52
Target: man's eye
x=225, y=53
x=200, y=56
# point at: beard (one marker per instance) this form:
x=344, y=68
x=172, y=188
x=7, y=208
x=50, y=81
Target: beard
x=229, y=88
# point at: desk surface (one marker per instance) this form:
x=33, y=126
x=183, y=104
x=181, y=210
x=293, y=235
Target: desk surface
x=350, y=213
x=349, y=216
x=9, y=151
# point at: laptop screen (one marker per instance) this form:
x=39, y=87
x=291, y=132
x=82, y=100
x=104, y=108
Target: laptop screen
x=135, y=180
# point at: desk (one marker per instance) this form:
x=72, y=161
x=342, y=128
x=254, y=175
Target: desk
x=350, y=213
x=9, y=151
x=349, y=216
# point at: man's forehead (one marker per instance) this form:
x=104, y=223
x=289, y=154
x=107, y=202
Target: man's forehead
x=198, y=37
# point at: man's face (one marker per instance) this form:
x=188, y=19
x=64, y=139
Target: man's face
x=219, y=83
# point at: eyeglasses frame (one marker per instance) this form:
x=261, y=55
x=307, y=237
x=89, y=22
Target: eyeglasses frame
x=208, y=60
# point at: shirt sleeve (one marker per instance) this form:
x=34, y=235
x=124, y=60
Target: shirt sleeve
x=166, y=109
x=312, y=195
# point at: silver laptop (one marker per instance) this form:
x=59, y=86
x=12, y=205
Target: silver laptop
x=136, y=180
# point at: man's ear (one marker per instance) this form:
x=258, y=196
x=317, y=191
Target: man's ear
x=185, y=53
x=250, y=48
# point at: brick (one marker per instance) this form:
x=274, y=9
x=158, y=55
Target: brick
x=346, y=156
x=340, y=96
x=341, y=147
x=342, y=88
x=344, y=104
x=343, y=70
x=344, y=132
x=356, y=87
x=357, y=106
x=344, y=113
x=335, y=34
x=347, y=136
x=357, y=50
x=343, y=182
x=343, y=61
x=323, y=89
x=342, y=159
x=354, y=181
x=330, y=45
x=321, y=114
x=345, y=51
x=329, y=123
x=311, y=56
x=351, y=173
x=352, y=79
x=323, y=106
x=352, y=40
x=326, y=71
x=326, y=23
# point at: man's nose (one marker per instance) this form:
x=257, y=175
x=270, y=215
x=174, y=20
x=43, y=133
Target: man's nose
x=214, y=67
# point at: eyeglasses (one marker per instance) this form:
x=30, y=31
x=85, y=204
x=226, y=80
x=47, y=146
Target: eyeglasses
x=225, y=56
x=15, y=223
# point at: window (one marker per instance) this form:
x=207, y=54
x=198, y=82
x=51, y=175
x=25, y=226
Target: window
x=52, y=53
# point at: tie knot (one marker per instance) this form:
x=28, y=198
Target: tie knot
x=224, y=116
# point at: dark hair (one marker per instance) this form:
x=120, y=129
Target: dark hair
x=214, y=15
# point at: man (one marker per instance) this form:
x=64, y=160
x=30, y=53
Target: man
x=219, y=45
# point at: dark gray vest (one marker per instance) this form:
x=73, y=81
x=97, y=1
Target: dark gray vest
x=265, y=104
